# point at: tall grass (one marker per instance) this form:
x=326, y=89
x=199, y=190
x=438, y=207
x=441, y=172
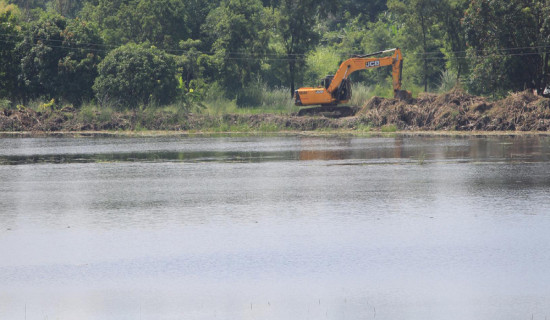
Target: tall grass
x=447, y=81
x=360, y=93
x=257, y=99
x=92, y=113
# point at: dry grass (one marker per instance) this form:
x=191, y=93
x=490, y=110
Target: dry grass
x=455, y=110
x=458, y=110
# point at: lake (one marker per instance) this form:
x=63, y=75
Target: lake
x=275, y=227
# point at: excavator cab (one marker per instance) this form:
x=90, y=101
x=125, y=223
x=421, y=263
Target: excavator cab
x=325, y=82
x=344, y=91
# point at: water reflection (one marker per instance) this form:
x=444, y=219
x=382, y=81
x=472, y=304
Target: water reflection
x=14, y=151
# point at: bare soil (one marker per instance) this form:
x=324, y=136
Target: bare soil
x=454, y=110
x=457, y=110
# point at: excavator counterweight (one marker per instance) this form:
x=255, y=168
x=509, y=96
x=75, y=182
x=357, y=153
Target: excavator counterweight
x=336, y=89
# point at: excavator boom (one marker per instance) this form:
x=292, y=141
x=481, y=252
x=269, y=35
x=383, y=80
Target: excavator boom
x=337, y=89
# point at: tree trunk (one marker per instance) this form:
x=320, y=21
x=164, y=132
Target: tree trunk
x=423, y=24
x=545, y=71
x=291, y=70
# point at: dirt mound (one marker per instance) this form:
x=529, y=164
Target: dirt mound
x=521, y=111
x=458, y=110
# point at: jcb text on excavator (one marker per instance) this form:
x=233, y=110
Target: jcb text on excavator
x=337, y=89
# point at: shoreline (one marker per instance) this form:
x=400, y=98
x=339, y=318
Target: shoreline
x=451, y=113
x=328, y=133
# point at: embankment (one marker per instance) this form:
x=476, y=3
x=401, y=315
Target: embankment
x=452, y=111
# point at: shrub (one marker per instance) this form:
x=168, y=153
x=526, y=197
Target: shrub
x=132, y=75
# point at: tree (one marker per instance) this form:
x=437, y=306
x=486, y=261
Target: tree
x=133, y=75
x=506, y=44
x=368, y=11
x=66, y=8
x=421, y=31
x=239, y=35
x=113, y=18
x=295, y=20
x=9, y=36
x=27, y=5
x=193, y=65
x=162, y=22
x=59, y=58
x=196, y=12
x=159, y=22
x=41, y=51
x=450, y=16
x=78, y=68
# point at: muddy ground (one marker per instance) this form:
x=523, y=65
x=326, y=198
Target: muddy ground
x=455, y=110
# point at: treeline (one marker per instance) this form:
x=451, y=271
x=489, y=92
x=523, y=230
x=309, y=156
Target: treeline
x=127, y=53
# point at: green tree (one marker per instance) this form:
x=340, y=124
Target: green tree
x=295, y=21
x=78, y=68
x=366, y=11
x=66, y=8
x=9, y=36
x=162, y=23
x=59, y=58
x=507, y=41
x=196, y=12
x=454, y=42
x=239, y=35
x=113, y=18
x=194, y=65
x=133, y=75
x=381, y=35
x=420, y=34
x=41, y=51
x=27, y=5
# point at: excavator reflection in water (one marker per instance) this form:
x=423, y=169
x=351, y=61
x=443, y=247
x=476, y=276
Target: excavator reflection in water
x=336, y=89
x=343, y=149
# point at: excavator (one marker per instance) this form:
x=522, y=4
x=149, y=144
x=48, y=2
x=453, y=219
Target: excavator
x=336, y=89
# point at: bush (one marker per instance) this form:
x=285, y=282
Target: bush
x=132, y=75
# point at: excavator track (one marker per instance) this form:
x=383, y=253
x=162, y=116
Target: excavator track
x=329, y=111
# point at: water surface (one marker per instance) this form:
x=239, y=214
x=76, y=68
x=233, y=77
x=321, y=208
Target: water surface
x=406, y=227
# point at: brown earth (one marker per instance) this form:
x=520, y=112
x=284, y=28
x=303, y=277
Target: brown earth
x=455, y=110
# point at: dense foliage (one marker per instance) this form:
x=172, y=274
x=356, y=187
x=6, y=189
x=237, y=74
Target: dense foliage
x=132, y=75
x=129, y=53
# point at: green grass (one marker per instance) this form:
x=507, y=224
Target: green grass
x=363, y=128
x=360, y=94
x=388, y=128
x=269, y=127
x=260, y=99
x=88, y=113
x=448, y=81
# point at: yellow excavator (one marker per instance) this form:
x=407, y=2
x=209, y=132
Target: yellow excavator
x=336, y=89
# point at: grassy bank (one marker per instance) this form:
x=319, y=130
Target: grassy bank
x=451, y=111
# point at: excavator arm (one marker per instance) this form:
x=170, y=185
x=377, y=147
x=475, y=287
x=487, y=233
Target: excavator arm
x=337, y=88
